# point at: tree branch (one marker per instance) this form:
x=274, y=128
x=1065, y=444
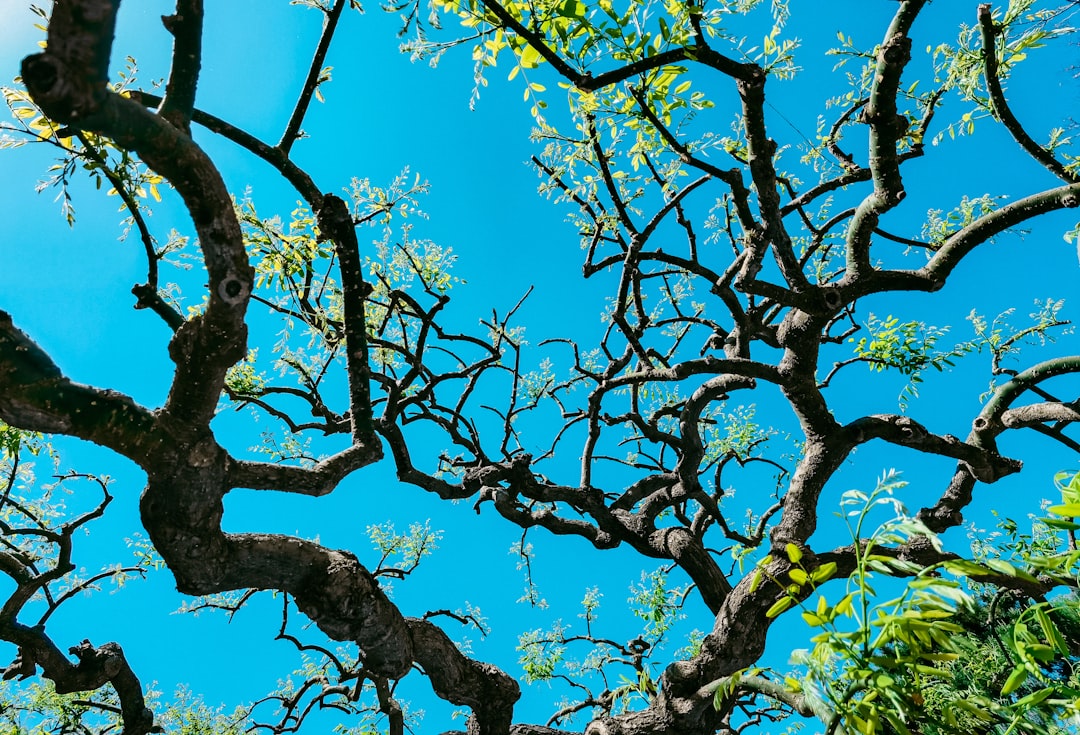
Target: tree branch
x=988, y=34
x=887, y=126
x=311, y=83
x=186, y=27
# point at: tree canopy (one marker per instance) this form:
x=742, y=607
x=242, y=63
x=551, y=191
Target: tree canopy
x=811, y=236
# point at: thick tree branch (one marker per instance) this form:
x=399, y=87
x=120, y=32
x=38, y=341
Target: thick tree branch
x=292, y=173
x=186, y=27
x=458, y=679
x=315, y=481
x=887, y=127
x=336, y=223
x=936, y=272
x=990, y=421
x=1040, y=413
x=985, y=465
x=947, y=512
x=761, y=150
x=188, y=472
x=774, y=690
x=96, y=666
x=35, y=395
x=207, y=345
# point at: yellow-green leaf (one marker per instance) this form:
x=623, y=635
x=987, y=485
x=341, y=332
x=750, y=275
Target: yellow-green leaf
x=794, y=553
x=824, y=572
x=530, y=58
x=931, y=671
x=755, y=581
x=1050, y=630
x=778, y=607
x=1069, y=510
x=1016, y=678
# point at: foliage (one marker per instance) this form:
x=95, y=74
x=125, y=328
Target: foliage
x=949, y=654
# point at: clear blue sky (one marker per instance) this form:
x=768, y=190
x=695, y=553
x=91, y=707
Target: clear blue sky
x=69, y=289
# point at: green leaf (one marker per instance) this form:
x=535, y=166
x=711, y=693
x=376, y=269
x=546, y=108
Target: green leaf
x=1015, y=680
x=897, y=723
x=964, y=568
x=755, y=581
x=572, y=9
x=1061, y=524
x=1051, y=631
x=794, y=553
x=823, y=572
x=530, y=58
x=973, y=709
x=1040, y=652
x=778, y=607
x=1069, y=510
x=1035, y=697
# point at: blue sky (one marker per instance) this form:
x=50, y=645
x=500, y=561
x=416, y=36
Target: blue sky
x=69, y=289
x=405, y=115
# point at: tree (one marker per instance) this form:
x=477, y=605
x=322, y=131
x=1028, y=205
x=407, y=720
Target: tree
x=728, y=276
